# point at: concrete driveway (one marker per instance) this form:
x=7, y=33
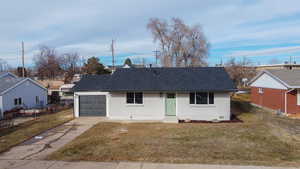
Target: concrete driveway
x=51, y=140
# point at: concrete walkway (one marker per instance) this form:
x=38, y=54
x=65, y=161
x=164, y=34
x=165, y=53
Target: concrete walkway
x=49, y=141
x=35, y=164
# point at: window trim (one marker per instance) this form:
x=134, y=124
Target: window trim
x=199, y=104
x=134, y=98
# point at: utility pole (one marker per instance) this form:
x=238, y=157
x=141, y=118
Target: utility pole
x=113, y=54
x=23, y=66
x=81, y=63
x=156, y=56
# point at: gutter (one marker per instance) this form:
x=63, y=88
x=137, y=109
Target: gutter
x=285, y=100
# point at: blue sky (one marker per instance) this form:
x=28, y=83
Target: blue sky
x=260, y=30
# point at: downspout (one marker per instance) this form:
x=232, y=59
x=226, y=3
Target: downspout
x=285, y=100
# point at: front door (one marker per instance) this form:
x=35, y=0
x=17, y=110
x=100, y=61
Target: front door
x=171, y=104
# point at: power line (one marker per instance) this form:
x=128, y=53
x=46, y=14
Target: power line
x=113, y=54
x=156, y=56
x=23, y=65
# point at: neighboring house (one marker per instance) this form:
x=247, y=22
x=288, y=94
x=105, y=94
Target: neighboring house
x=110, y=67
x=7, y=74
x=53, y=90
x=277, y=89
x=286, y=65
x=76, y=78
x=20, y=92
x=66, y=93
x=156, y=94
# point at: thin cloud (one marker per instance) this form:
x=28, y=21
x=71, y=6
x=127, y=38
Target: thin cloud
x=88, y=26
x=265, y=52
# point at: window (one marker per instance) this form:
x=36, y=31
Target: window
x=192, y=98
x=18, y=101
x=134, y=98
x=130, y=98
x=211, y=98
x=201, y=98
x=37, y=99
x=260, y=90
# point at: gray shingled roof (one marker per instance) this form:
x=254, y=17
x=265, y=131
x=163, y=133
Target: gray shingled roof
x=290, y=77
x=92, y=83
x=2, y=73
x=159, y=79
x=7, y=82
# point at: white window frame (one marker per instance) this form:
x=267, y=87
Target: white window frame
x=134, y=102
x=260, y=90
x=195, y=98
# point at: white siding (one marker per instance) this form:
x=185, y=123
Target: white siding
x=28, y=92
x=266, y=81
x=153, y=107
x=220, y=110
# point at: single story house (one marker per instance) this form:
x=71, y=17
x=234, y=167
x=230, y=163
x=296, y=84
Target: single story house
x=20, y=92
x=66, y=93
x=277, y=89
x=201, y=93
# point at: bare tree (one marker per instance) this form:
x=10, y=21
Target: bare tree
x=69, y=62
x=238, y=70
x=47, y=63
x=180, y=44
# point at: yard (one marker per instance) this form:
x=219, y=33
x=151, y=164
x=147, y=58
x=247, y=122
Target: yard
x=261, y=139
x=12, y=136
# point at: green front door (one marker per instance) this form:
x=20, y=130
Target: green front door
x=171, y=104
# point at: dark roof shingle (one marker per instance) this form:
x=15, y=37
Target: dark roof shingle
x=160, y=79
x=91, y=83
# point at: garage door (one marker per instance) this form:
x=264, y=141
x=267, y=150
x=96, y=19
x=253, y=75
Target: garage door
x=92, y=105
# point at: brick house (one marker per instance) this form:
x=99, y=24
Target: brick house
x=277, y=89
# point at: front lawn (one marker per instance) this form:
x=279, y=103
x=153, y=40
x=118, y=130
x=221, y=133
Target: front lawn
x=251, y=142
x=12, y=136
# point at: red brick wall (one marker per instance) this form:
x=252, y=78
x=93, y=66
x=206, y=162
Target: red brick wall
x=292, y=102
x=270, y=98
x=275, y=99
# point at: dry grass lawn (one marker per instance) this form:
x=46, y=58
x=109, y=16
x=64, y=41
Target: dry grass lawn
x=18, y=134
x=251, y=142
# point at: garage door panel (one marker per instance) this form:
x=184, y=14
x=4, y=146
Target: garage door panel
x=92, y=105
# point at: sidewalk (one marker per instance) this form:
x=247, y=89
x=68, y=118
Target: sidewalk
x=35, y=164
